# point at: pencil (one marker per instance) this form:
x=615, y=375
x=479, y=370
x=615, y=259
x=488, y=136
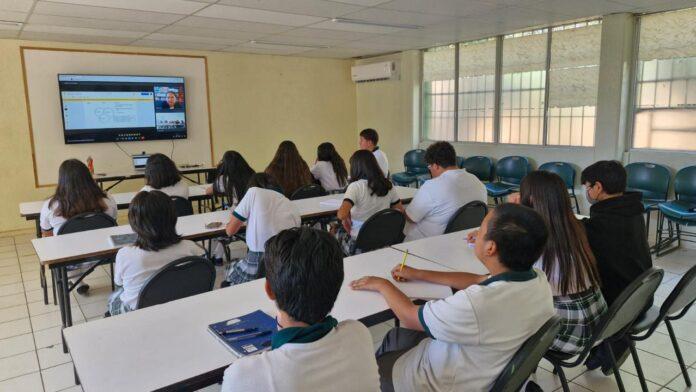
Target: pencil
x=403, y=262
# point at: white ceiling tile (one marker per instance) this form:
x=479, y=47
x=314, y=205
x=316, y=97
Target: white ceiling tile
x=9, y=27
x=658, y=6
x=441, y=7
x=301, y=41
x=341, y=53
x=233, y=25
x=305, y=7
x=181, y=7
x=16, y=5
x=370, y=44
x=12, y=16
x=365, y=3
x=9, y=33
x=330, y=25
x=177, y=45
x=580, y=9
x=262, y=16
x=82, y=31
x=52, y=20
x=272, y=50
x=328, y=34
x=79, y=38
x=193, y=39
x=398, y=39
x=378, y=15
x=82, y=11
x=213, y=33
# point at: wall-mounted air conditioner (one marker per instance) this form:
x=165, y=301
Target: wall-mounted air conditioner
x=385, y=70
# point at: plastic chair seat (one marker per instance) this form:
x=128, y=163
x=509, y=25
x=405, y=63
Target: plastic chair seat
x=498, y=189
x=403, y=178
x=652, y=205
x=679, y=209
x=558, y=356
x=645, y=322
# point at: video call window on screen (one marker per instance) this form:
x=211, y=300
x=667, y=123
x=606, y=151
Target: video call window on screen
x=108, y=108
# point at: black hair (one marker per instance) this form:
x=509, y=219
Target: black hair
x=265, y=181
x=161, y=172
x=519, y=233
x=77, y=192
x=441, y=154
x=289, y=169
x=371, y=135
x=327, y=152
x=364, y=166
x=235, y=173
x=304, y=268
x=611, y=174
x=152, y=217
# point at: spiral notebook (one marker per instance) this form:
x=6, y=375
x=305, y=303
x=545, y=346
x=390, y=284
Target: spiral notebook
x=246, y=335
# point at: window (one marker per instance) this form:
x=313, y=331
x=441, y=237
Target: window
x=476, y=104
x=665, y=94
x=438, y=93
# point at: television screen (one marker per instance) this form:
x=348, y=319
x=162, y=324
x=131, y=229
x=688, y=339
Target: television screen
x=106, y=108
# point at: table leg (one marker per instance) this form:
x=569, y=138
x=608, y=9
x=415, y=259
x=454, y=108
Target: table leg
x=38, y=227
x=44, y=285
x=63, y=290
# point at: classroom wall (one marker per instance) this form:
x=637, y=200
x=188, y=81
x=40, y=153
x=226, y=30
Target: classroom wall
x=256, y=101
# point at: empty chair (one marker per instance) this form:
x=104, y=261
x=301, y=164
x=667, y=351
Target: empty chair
x=414, y=162
x=179, y=279
x=679, y=212
x=385, y=228
x=182, y=206
x=526, y=359
x=567, y=173
x=467, y=217
x=480, y=166
x=613, y=325
x=308, y=191
x=675, y=307
x=460, y=162
x=509, y=172
x=652, y=181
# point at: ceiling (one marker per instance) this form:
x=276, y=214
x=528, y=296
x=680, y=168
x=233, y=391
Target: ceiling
x=295, y=27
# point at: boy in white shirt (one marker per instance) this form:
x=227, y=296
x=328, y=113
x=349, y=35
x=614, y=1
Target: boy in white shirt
x=368, y=141
x=311, y=351
x=463, y=342
x=438, y=199
x=266, y=212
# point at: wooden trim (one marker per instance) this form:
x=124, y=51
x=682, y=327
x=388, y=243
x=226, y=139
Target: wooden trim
x=210, y=119
x=31, y=129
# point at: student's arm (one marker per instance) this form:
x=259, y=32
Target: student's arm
x=46, y=233
x=457, y=280
x=420, y=206
x=209, y=190
x=399, y=207
x=233, y=225
x=399, y=303
x=241, y=213
x=343, y=215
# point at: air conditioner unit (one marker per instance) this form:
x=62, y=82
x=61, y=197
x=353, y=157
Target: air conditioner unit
x=376, y=71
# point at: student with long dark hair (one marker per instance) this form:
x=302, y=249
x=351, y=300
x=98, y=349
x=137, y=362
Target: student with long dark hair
x=369, y=192
x=330, y=169
x=288, y=169
x=161, y=174
x=153, y=218
x=77, y=193
x=233, y=174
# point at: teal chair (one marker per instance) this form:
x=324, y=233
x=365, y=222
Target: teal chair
x=414, y=162
x=460, y=162
x=567, y=173
x=509, y=171
x=480, y=166
x=678, y=212
x=652, y=181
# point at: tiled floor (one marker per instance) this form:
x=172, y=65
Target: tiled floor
x=32, y=359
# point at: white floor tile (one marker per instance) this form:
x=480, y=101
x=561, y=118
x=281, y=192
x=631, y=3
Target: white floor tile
x=7, y=279
x=16, y=345
x=18, y=365
x=10, y=270
x=52, y=356
x=76, y=388
x=47, y=337
x=35, y=284
x=571, y=373
x=8, y=254
x=6, y=248
x=211, y=388
x=7, y=301
x=8, y=262
x=52, y=319
x=14, y=328
x=13, y=313
x=683, y=329
x=26, y=383
x=99, y=293
x=661, y=345
x=546, y=380
x=598, y=382
x=58, y=377
x=6, y=241
x=11, y=288
x=95, y=309
x=29, y=267
x=678, y=384
x=656, y=369
x=29, y=259
x=37, y=296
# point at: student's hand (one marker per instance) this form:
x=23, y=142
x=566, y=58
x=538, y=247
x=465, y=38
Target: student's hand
x=514, y=198
x=369, y=283
x=471, y=237
x=347, y=224
x=405, y=274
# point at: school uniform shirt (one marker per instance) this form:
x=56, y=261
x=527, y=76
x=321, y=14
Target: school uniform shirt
x=342, y=360
x=179, y=189
x=365, y=203
x=438, y=199
x=266, y=213
x=323, y=172
x=220, y=188
x=382, y=160
x=50, y=221
x=474, y=333
x=134, y=266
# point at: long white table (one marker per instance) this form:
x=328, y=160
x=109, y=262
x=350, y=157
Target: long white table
x=168, y=346
x=118, y=178
x=449, y=250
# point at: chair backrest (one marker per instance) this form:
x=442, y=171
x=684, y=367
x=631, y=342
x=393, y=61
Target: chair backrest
x=414, y=162
x=480, y=166
x=182, y=206
x=468, y=216
x=563, y=169
x=87, y=221
x=382, y=229
x=682, y=296
x=650, y=179
x=307, y=191
x=685, y=184
x=527, y=358
x=512, y=169
x=181, y=278
x=460, y=161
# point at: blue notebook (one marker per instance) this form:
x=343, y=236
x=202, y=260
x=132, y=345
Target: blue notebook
x=246, y=335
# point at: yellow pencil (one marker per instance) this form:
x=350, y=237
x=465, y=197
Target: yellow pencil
x=403, y=262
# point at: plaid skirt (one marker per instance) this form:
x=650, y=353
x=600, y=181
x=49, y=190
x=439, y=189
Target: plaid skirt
x=580, y=314
x=246, y=269
x=115, y=306
x=346, y=241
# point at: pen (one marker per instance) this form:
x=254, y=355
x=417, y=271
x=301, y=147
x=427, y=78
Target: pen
x=249, y=336
x=238, y=330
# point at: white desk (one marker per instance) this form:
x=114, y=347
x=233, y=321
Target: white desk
x=169, y=345
x=118, y=178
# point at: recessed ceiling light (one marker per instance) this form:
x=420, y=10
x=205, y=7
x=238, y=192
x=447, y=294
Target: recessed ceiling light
x=369, y=23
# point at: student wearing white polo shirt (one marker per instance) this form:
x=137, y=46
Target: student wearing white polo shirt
x=266, y=212
x=161, y=174
x=463, y=342
x=329, y=168
x=312, y=351
x=368, y=141
x=438, y=199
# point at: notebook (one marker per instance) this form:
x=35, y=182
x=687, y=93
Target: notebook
x=119, y=240
x=236, y=342
x=333, y=203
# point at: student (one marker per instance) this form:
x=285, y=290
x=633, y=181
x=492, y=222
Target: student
x=438, y=199
x=77, y=193
x=161, y=174
x=329, y=168
x=266, y=212
x=616, y=233
x=463, y=342
x=233, y=174
x=153, y=218
x=288, y=169
x=311, y=351
x=368, y=193
x=368, y=141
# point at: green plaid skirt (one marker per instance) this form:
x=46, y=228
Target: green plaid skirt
x=580, y=314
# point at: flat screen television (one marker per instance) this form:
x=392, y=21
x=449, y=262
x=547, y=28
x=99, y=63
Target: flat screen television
x=113, y=108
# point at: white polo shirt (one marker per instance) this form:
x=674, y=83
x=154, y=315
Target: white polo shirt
x=266, y=213
x=474, y=333
x=323, y=172
x=382, y=160
x=179, y=189
x=365, y=204
x=438, y=199
x=343, y=360
x=48, y=219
